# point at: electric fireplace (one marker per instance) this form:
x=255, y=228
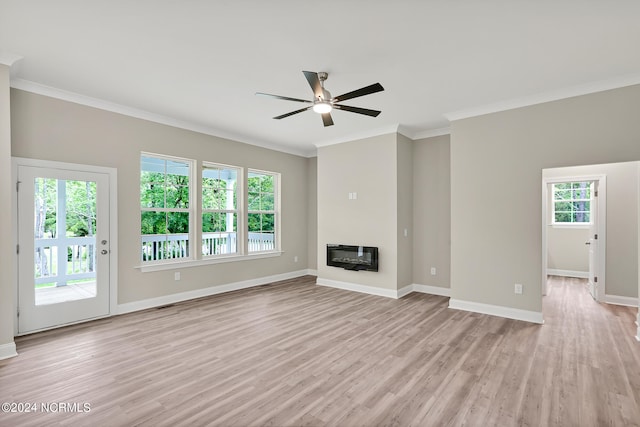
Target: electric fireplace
x=352, y=257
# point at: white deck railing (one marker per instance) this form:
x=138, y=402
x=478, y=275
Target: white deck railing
x=175, y=246
x=76, y=261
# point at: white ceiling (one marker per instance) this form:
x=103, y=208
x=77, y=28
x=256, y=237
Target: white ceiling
x=198, y=63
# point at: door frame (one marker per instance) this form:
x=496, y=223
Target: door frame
x=601, y=227
x=112, y=174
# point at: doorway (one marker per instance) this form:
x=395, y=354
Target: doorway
x=575, y=205
x=64, y=244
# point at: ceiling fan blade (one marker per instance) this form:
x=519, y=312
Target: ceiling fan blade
x=286, y=98
x=376, y=87
x=327, y=120
x=314, y=82
x=291, y=113
x=365, y=111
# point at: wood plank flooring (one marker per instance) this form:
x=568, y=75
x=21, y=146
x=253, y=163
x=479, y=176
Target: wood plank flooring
x=296, y=354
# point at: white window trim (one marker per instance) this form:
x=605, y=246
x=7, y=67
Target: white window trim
x=277, y=205
x=196, y=258
x=205, y=261
x=240, y=184
x=193, y=217
x=556, y=224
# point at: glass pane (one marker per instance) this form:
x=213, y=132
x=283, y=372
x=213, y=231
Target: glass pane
x=212, y=222
x=45, y=208
x=266, y=184
x=254, y=201
x=563, y=217
x=178, y=222
x=267, y=202
x=254, y=222
x=177, y=172
x=268, y=222
x=211, y=198
x=153, y=223
x=177, y=196
x=562, y=195
x=151, y=195
x=563, y=206
x=80, y=208
x=253, y=182
x=230, y=201
x=65, y=271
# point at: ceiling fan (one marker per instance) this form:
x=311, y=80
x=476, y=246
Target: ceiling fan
x=323, y=103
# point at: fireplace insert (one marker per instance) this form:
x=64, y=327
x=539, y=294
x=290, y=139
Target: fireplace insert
x=352, y=257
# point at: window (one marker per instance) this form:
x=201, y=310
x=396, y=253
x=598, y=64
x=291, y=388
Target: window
x=165, y=207
x=262, y=211
x=228, y=212
x=572, y=203
x=219, y=209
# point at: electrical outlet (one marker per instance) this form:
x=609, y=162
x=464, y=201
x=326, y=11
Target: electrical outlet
x=433, y=271
x=295, y=258
x=176, y=275
x=518, y=289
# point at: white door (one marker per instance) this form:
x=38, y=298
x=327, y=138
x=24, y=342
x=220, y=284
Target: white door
x=63, y=247
x=593, y=243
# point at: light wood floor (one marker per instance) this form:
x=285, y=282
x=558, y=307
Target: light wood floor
x=293, y=354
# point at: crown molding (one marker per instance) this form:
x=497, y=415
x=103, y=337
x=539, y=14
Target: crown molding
x=101, y=104
x=430, y=133
x=8, y=58
x=359, y=135
x=569, y=92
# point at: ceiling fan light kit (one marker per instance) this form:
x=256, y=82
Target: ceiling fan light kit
x=323, y=103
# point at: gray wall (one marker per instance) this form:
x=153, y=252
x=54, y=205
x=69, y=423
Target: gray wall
x=50, y=129
x=369, y=168
x=496, y=174
x=312, y=213
x=432, y=211
x=566, y=250
x=404, y=197
x=7, y=310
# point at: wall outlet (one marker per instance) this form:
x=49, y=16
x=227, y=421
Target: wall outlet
x=176, y=275
x=406, y=232
x=518, y=289
x=433, y=271
x=295, y=258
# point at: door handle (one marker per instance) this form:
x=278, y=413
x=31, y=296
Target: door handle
x=587, y=243
x=104, y=252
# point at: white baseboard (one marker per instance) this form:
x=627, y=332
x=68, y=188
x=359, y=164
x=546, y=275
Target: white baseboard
x=568, y=273
x=497, y=310
x=432, y=290
x=8, y=350
x=404, y=291
x=618, y=300
x=312, y=272
x=205, y=292
x=389, y=293
x=355, y=287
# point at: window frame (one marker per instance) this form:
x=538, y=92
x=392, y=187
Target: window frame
x=554, y=201
x=196, y=257
x=190, y=209
x=237, y=211
x=275, y=212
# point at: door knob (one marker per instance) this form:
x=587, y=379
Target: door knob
x=104, y=252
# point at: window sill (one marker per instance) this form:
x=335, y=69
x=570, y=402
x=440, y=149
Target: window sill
x=172, y=265
x=572, y=225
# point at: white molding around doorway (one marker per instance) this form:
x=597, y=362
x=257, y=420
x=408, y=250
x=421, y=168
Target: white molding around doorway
x=113, y=221
x=601, y=179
